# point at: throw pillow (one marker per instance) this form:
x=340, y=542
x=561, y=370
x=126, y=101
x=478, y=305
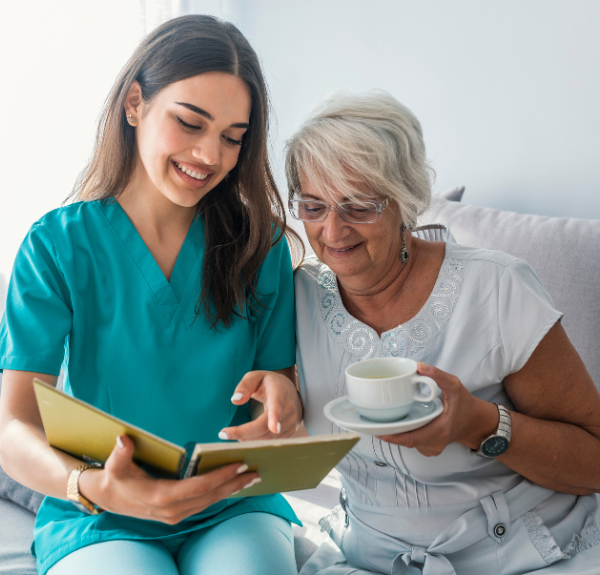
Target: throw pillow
x=563, y=251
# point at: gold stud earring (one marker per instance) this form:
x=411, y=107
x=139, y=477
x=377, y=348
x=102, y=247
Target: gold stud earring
x=131, y=119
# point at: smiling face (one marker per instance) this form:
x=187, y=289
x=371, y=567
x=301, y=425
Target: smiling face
x=361, y=255
x=189, y=136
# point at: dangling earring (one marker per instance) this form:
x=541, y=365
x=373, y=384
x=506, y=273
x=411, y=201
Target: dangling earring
x=403, y=250
x=131, y=119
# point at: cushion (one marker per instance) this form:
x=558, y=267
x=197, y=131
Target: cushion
x=23, y=496
x=453, y=194
x=563, y=251
x=16, y=535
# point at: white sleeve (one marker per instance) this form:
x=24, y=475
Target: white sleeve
x=526, y=314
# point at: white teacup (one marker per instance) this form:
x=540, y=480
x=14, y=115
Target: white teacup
x=385, y=388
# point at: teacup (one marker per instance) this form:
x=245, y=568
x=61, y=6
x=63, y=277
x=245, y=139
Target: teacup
x=385, y=388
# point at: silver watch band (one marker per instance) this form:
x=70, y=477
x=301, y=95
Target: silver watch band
x=505, y=424
x=504, y=429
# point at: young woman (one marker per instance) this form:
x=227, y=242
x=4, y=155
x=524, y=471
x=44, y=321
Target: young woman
x=165, y=293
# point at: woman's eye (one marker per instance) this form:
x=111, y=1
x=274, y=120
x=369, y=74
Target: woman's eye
x=232, y=142
x=312, y=209
x=357, y=209
x=186, y=125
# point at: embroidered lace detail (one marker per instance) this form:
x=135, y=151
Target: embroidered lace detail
x=542, y=538
x=589, y=537
x=336, y=517
x=546, y=545
x=406, y=340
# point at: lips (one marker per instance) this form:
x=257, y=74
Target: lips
x=193, y=176
x=199, y=175
x=342, y=251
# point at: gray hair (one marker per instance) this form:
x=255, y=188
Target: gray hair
x=357, y=144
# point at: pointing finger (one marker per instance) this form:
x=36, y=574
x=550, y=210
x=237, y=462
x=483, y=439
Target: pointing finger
x=247, y=387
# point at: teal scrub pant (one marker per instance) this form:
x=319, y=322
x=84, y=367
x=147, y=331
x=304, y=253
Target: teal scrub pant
x=248, y=544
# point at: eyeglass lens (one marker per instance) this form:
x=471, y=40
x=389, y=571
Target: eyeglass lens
x=314, y=211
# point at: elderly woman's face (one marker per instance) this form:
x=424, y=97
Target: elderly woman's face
x=361, y=253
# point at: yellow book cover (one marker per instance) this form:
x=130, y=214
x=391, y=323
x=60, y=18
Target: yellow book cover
x=89, y=434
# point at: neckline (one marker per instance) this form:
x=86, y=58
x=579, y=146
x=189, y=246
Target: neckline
x=414, y=316
x=168, y=294
x=405, y=340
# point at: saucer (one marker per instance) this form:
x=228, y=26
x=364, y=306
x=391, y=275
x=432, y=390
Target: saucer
x=343, y=414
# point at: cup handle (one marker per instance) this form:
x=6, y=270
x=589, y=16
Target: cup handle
x=434, y=389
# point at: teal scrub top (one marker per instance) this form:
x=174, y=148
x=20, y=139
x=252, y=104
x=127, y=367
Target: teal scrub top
x=87, y=294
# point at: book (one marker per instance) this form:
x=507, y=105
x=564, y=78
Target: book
x=89, y=434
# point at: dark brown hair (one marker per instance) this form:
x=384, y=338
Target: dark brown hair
x=244, y=214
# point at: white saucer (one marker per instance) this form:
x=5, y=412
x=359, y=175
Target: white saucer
x=343, y=414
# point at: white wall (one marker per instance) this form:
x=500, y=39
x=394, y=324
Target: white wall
x=59, y=59
x=507, y=91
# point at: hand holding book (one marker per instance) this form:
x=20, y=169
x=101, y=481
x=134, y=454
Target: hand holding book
x=125, y=488
x=89, y=434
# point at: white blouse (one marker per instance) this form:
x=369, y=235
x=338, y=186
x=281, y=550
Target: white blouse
x=484, y=317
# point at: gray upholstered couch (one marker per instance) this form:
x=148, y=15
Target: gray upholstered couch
x=565, y=253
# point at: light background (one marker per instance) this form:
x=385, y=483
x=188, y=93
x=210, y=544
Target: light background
x=508, y=93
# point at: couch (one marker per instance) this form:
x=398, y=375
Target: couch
x=565, y=252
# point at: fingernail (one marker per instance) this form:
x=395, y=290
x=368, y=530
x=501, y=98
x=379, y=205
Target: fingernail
x=278, y=427
x=423, y=367
x=236, y=492
x=120, y=442
x=223, y=435
x=253, y=482
x=242, y=468
x=236, y=397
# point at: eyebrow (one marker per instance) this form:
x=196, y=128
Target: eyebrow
x=208, y=116
x=311, y=197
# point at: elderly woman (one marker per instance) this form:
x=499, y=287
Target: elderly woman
x=437, y=500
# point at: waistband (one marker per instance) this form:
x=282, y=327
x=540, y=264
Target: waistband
x=491, y=517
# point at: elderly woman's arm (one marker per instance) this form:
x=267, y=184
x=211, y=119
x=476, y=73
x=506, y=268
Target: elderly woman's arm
x=555, y=434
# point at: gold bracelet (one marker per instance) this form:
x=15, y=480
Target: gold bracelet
x=73, y=494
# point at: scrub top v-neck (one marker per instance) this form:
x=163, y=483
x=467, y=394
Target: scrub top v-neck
x=87, y=294
x=168, y=293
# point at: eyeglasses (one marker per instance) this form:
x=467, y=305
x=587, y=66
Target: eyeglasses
x=351, y=212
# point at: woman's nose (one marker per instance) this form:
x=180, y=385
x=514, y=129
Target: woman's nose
x=207, y=151
x=334, y=227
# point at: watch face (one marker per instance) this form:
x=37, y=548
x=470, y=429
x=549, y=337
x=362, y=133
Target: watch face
x=495, y=446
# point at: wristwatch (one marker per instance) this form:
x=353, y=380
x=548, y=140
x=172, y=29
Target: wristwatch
x=73, y=494
x=497, y=443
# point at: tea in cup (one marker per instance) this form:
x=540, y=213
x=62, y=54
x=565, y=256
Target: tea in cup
x=385, y=388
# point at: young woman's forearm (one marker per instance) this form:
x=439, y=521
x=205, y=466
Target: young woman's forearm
x=121, y=487
x=26, y=457
x=24, y=451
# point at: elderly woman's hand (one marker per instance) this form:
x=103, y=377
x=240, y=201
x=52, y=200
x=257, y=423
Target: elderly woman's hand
x=277, y=392
x=465, y=419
